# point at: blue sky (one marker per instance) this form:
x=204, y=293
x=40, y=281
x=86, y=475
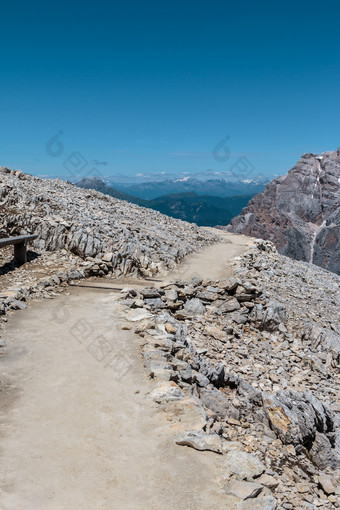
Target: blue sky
x=151, y=87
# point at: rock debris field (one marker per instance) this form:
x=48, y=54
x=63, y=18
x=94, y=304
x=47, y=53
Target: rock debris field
x=257, y=356
x=110, y=234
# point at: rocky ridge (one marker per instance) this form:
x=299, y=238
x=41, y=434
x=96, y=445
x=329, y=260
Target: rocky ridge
x=248, y=368
x=108, y=234
x=299, y=212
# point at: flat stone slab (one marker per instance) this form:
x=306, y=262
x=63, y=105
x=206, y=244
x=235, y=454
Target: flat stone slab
x=186, y=414
x=264, y=503
x=243, y=490
x=166, y=391
x=201, y=442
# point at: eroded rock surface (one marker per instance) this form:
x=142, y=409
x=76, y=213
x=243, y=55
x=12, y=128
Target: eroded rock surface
x=299, y=212
x=109, y=234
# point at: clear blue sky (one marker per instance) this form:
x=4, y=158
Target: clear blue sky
x=152, y=86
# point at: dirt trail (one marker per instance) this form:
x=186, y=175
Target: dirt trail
x=77, y=431
x=212, y=262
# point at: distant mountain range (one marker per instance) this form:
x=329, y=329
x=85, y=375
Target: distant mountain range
x=214, y=187
x=203, y=209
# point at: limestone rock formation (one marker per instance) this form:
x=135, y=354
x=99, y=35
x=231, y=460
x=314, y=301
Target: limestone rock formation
x=110, y=234
x=300, y=212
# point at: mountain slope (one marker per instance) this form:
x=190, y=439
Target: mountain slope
x=200, y=209
x=98, y=185
x=204, y=210
x=300, y=212
x=89, y=224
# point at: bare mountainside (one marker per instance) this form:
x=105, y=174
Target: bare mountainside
x=300, y=212
x=112, y=235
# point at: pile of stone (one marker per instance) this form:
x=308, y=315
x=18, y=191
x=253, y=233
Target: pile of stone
x=310, y=294
x=111, y=235
x=241, y=358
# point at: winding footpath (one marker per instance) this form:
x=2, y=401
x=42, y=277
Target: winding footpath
x=77, y=430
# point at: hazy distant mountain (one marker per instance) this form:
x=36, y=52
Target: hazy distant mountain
x=215, y=187
x=98, y=185
x=204, y=210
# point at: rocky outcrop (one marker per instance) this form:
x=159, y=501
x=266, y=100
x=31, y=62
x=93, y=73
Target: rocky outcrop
x=110, y=234
x=300, y=212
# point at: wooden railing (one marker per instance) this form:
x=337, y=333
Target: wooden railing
x=20, y=246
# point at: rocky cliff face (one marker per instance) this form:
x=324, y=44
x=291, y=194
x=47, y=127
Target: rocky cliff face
x=300, y=212
x=109, y=234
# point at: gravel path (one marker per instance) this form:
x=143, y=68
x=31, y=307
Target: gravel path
x=78, y=431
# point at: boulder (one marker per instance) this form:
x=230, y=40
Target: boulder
x=326, y=484
x=150, y=293
x=229, y=305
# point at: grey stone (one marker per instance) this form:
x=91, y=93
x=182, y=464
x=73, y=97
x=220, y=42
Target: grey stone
x=17, y=305
x=326, y=484
x=166, y=392
x=243, y=490
x=296, y=417
x=244, y=465
x=200, y=441
x=262, y=503
x=228, y=284
x=229, y=305
x=150, y=293
x=215, y=401
x=171, y=295
x=194, y=307
x=154, y=303
x=270, y=317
